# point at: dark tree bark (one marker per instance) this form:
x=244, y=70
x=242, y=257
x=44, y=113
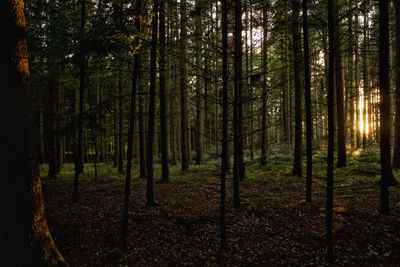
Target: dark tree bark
x=152, y=102
x=199, y=83
x=238, y=165
x=52, y=110
x=298, y=84
x=357, y=84
x=136, y=68
x=307, y=84
x=341, y=137
x=116, y=125
x=82, y=78
x=387, y=178
x=121, y=149
x=184, y=87
x=224, y=154
x=329, y=186
x=396, y=152
x=264, y=126
x=29, y=241
x=142, y=143
x=163, y=98
x=365, y=76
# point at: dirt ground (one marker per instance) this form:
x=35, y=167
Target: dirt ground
x=273, y=226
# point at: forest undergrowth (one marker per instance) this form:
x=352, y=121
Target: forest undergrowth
x=273, y=226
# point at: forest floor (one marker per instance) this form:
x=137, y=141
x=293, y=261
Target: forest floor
x=273, y=226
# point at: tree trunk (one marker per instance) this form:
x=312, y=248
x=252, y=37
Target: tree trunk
x=365, y=77
x=307, y=76
x=357, y=84
x=82, y=78
x=224, y=154
x=396, y=153
x=264, y=126
x=163, y=98
x=135, y=72
x=29, y=241
x=387, y=178
x=341, y=137
x=199, y=83
x=152, y=100
x=298, y=59
x=185, y=142
x=329, y=187
x=121, y=148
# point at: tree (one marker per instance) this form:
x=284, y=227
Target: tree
x=137, y=66
x=82, y=77
x=341, y=137
x=396, y=152
x=199, y=83
x=29, y=239
x=163, y=98
x=387, y=178
x=298, y=60
x=264, y=127
x=184, y=87
x=307, y=102
x=329, y=173
x=224, y=154
x=238, y=165
x=152, y=100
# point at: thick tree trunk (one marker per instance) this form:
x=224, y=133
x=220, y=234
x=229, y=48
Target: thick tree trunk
x=29, y=242
x=387, y=178
x=52, y=110
x=396, y=153
x=357, y=84
x=298, y=84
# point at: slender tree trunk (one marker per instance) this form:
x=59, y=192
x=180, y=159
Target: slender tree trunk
x=329, y=187
x=224, y=154
x=121, y=148
x=357, y=84
x=341, y=137
x=264, y=126
x=152, y=100
x=82, y=77
x=365, y=77
x=307, y=76
x=199, y=83
x=396, y=153
x=52, y=110
x=387, y=178
x=29, y=241
x=185, y=142
x=116, y=125
x=298, y=59
x=135, y=72
x=350, y=87
x=163, y=98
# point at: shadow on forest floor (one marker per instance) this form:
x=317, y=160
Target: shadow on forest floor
x=273, y=226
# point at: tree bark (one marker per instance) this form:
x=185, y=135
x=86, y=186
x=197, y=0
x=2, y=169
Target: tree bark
x=387, y=178
x=396, y=152
x=185, y=142
x=341, y=137
x=307, y=76
x=298, y=84
x=29, y=241
x=152, y=100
